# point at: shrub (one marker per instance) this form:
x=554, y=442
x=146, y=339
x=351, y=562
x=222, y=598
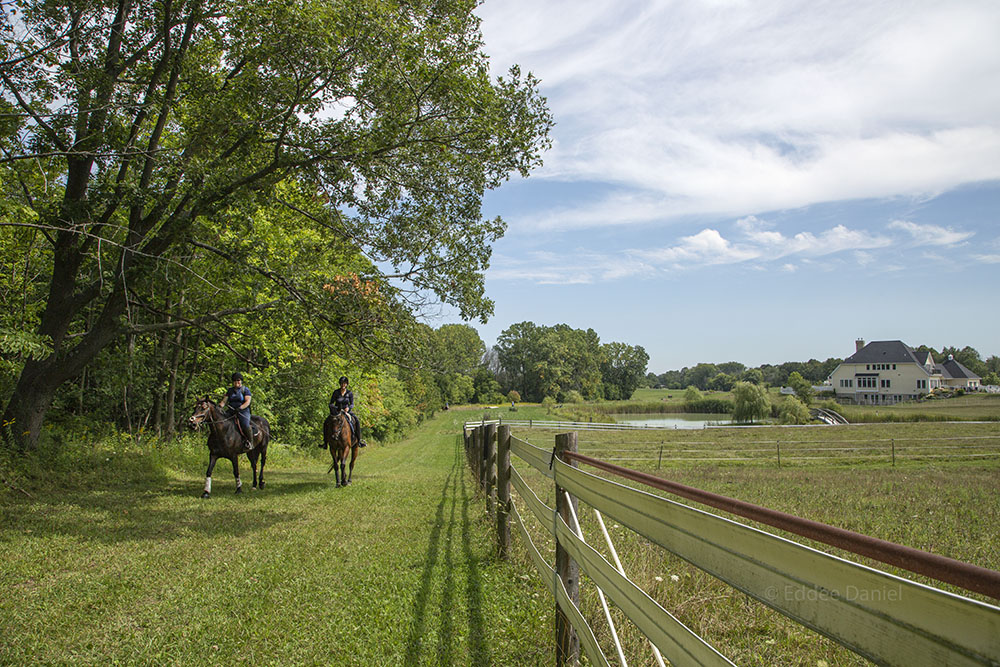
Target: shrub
x=692, y=394
x=513, y=396
x=573, y=396
x=716, y=406
x=793, y=411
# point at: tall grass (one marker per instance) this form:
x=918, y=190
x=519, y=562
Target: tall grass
x=948, y=506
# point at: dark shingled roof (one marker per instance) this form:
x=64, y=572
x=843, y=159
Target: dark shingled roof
x=953, y=369
x=885, y=351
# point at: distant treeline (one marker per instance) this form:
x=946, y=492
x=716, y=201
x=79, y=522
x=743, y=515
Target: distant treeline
x=721, y=377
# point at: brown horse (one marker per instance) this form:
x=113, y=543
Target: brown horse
x=337, y=435
x=225, y=442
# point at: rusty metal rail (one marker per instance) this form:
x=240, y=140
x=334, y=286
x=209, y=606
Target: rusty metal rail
x=941, y=568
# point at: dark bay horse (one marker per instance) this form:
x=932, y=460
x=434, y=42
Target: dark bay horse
x=225, y=442
x=337, y=435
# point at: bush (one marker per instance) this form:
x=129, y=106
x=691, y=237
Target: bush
x=573, y=396
x=513, y=396
x=793, y=411
x=692, y=394
x=715, y=406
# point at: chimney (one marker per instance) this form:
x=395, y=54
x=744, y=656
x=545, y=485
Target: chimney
x=858, y=344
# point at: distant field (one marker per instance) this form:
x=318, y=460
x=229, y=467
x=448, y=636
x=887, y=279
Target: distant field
x=940, y=498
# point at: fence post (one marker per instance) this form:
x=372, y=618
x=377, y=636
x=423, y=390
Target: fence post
x=467, y=437
x=660, y=460
x=567, y=642
x=778, y=442
x=894, y=452
x=503, y=491
x=489, y=461
x=477, y=455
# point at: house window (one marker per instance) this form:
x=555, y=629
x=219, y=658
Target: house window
x=894, y=367
x=885, y=384
x=868, y=367
x=921, y=384
x=846, y=384
x=867, y=382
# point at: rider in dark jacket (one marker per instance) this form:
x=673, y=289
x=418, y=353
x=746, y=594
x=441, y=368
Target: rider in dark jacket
x=238, y=402
x=343, y=400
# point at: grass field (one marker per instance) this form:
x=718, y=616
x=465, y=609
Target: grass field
x=125, y=564
x=946, y=505
x=110, y=557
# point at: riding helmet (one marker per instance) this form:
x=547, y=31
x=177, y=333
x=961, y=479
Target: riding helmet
x=343, y=380
x=236, y=376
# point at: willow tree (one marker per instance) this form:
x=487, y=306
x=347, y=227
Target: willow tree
x=132, y=129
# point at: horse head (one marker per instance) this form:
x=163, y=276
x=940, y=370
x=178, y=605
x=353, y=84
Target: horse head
x=202, y=410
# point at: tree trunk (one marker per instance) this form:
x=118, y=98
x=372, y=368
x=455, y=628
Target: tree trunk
x=175, y=362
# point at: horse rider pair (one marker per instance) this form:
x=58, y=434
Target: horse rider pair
x=343, y=400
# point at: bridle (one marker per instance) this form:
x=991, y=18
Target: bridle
x=203, y=415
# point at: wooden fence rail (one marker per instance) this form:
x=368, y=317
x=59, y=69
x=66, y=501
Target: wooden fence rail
x=885, y=618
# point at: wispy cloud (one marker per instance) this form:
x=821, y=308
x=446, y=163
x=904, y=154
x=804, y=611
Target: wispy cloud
x=931, y=234
x=752, y=241
x=732, y=108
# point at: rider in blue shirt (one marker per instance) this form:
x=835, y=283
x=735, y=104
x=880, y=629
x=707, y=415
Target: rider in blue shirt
x=238, y=401
x=343, y=400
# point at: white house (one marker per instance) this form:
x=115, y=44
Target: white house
x=889, y=371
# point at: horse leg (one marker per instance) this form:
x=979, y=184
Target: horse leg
x=253, y=466
x=354, y=455
x=212, y=458
x=236, y=473
x=263, y=459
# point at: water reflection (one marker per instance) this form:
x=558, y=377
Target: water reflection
x=676, y=420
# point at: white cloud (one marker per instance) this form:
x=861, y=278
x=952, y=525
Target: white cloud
x=931, y=234
x=709, y=247
x=987, y=259
x=754, y=107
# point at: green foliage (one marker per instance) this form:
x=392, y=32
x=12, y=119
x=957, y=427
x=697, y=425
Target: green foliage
x=692, y=394
x=709, y=406
x=753, y=376
x=991, y=378
x=793, y=411
x=721, y=382
x=487, y=390
x=572, y=396
x=513, y=396
x=622, y=369
x=803, y=389
x=750, y=402
x=543, y=361
x=267, y=183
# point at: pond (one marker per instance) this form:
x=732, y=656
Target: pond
x=675, y=420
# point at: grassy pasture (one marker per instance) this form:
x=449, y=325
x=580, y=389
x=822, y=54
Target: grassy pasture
x=939, y=500
x=110, y=557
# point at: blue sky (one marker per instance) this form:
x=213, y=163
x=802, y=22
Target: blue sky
x=755, y=181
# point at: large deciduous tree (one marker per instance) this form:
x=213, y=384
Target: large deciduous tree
x=135, y=131
x=622, y=369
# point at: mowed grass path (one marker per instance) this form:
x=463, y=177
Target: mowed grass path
x=398, y=569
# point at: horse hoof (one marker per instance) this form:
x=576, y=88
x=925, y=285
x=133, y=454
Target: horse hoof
x=239, y=489
x=206, y=494
x=261, y=485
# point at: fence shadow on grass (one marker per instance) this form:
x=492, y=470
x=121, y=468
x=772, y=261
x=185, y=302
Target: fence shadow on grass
x=454, y=492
